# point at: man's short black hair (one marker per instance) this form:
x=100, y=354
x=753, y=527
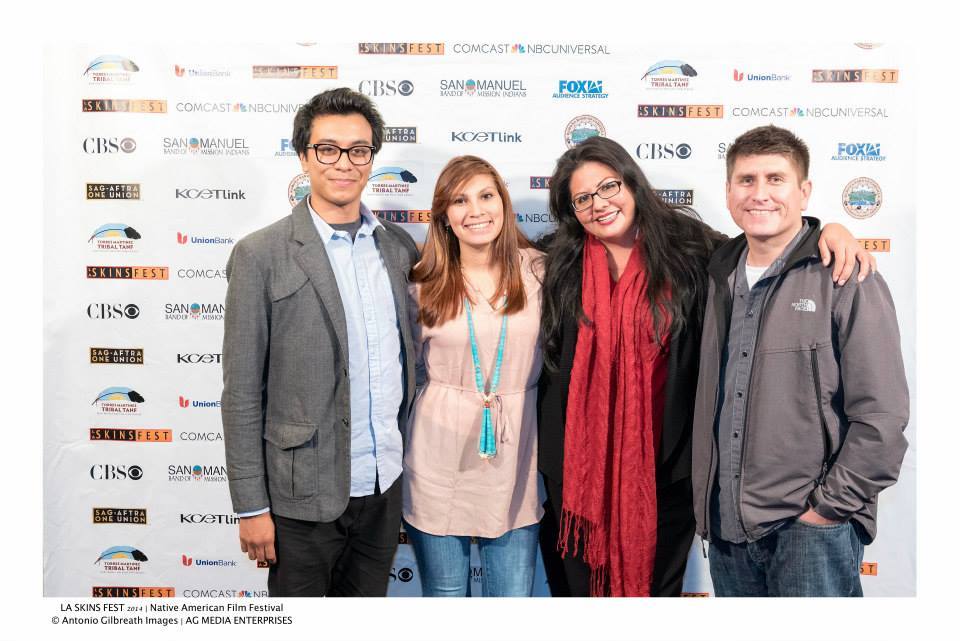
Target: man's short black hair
x=771, y=140
x=340, y=101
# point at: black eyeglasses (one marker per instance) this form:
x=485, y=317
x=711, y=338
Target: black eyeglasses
x=606, y=190
x=328, y=154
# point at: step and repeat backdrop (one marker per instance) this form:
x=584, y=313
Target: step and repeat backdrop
x=160, y=158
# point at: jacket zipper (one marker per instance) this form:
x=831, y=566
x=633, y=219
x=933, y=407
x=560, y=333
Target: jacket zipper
x=827, y=441
x=711, y=471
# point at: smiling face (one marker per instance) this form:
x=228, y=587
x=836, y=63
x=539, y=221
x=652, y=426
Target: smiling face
x=475, y=212
x=766, y=198
x=610, y=220
x=337, y=186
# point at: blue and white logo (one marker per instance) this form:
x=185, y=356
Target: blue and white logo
x=859, y=151
x=588, y=89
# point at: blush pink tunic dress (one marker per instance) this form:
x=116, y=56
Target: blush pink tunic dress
x=448, y=488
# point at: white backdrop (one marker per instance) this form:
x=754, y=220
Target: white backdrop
x=190, y=149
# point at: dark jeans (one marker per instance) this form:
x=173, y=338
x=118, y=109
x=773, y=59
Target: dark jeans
x=350, y=556
x=798, y=559
x=570, y=576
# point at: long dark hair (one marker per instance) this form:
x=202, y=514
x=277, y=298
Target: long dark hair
x=676, y=246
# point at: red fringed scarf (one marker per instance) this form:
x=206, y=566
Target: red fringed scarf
x=613, y=425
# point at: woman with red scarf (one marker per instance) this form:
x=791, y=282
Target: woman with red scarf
x=623, y=297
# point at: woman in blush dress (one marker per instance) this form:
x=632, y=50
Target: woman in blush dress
x=470, y=466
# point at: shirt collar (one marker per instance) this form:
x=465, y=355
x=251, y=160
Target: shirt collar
x=777, y=266
x=367, y=226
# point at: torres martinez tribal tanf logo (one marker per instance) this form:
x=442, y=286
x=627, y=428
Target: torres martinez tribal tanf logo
x=391, y=180
x=118, y=400
x=121, y=559
x=110, y=69
x=114, y=237
x=669, y=74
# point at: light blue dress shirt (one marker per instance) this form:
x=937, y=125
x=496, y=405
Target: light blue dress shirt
x=373, y=343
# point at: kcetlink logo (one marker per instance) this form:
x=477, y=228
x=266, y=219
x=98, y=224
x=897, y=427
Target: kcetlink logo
x=186, y=403
x=749, y=76
x=209, y=519
x=191, y=193
x=590, y=89
x=858, y=151
x=486, y=136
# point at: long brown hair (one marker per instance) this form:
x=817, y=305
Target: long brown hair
x=442, y=287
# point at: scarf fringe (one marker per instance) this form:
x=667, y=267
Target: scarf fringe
x=584, y=531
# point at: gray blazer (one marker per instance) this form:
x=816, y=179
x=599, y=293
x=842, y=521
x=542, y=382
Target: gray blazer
x=286, y=388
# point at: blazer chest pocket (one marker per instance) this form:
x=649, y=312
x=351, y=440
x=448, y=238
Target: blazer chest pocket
x=292, y=458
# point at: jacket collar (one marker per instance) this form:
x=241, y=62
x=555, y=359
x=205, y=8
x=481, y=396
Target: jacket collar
x=725, y=258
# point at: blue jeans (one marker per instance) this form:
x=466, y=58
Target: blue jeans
x=508, y=562
x=798, y=559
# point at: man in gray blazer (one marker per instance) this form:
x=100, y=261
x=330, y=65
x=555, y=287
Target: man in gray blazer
x=318, y=369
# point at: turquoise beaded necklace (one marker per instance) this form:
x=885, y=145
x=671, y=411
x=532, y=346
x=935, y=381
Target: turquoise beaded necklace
x=488, y=444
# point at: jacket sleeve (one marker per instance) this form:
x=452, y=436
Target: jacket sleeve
x=875, y=400
x=246, y=336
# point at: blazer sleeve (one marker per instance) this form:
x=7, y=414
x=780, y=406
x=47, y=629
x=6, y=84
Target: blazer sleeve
x=246, y=336
x=875, y=400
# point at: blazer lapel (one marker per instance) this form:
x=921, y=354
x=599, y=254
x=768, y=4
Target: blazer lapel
x=315, y=263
